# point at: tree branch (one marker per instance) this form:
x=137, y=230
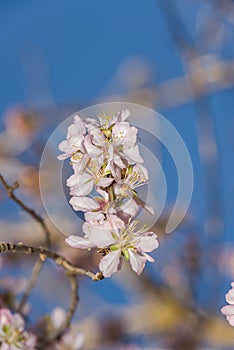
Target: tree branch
x=38, y=266
x=44, y=254
x=10, y=191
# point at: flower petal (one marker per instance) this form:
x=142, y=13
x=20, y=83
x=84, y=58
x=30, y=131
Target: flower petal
x=83, y=187
x=231, y=320
x=79, y=242
x=230, y=296
x=124, y=134
x=130, y=208
x=137, y=261
x=100, y=234
x=132, y=155
x=94, y=216
x=105, y=182
x=83, y=204
x=122, y=115
x=109, y=264
x=92, y=150
x=228, y=310
x=148, y=243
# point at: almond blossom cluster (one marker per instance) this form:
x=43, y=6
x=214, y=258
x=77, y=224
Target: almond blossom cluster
x=228, y=310
x=12, y=333
x=108, y=169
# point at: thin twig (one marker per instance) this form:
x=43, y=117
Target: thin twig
x=72, y=308
x=38, y=266
x=45, y=253
x=36, y=270
x=10, y=191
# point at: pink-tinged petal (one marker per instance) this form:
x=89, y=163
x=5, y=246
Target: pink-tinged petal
x=132, y=155
x=130, y=208
x=120, y=162
x=92, y=150
x=148, y=257
x=99, y=234
x=90, y=122
x=123, y=134
x=63, y=146
x=231, y=320
x=79, y=165
x=94, y=216
x=137, y=261
x=72, y=180
x=148, y=243
x=76, y=129
x=78, y=341
x=230, y=296
x=97, y=137
x=30, y=341
x=104, y=194
x=115, y=222
x=79, y=242
x=110, y=263
x=5, y=317
x=111, y=167
x=228, y=310
x=18, y=322
x=232, y=284
x=75, y=142
x=131, y=137
x=122, y=115
x=77, y=119
x=78, y=179
x=82, y=189
x=105, y=182
x=83, y=204
x=72, y=340
x=63, y=156
x=58, y=317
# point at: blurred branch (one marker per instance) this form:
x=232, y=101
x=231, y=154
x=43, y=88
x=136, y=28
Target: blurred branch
x=38, y=266
x=72, y=308
x=205, y=125
x=10, y=191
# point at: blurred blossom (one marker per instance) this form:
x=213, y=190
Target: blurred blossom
x=171, y=275
x=12, y=333
x=29, y=180
x=21, y=123
x=15, y=285
x=71, y=339
x=21, y=127
x=224, y=258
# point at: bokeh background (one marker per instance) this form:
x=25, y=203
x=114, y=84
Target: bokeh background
x=175, y=56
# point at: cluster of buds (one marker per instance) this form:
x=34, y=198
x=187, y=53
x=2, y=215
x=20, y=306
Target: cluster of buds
x=108, y=169
x=12, y=333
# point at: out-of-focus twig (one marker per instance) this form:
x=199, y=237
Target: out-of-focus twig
x=10, y=191
x=38, y=266
x=72, y=308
